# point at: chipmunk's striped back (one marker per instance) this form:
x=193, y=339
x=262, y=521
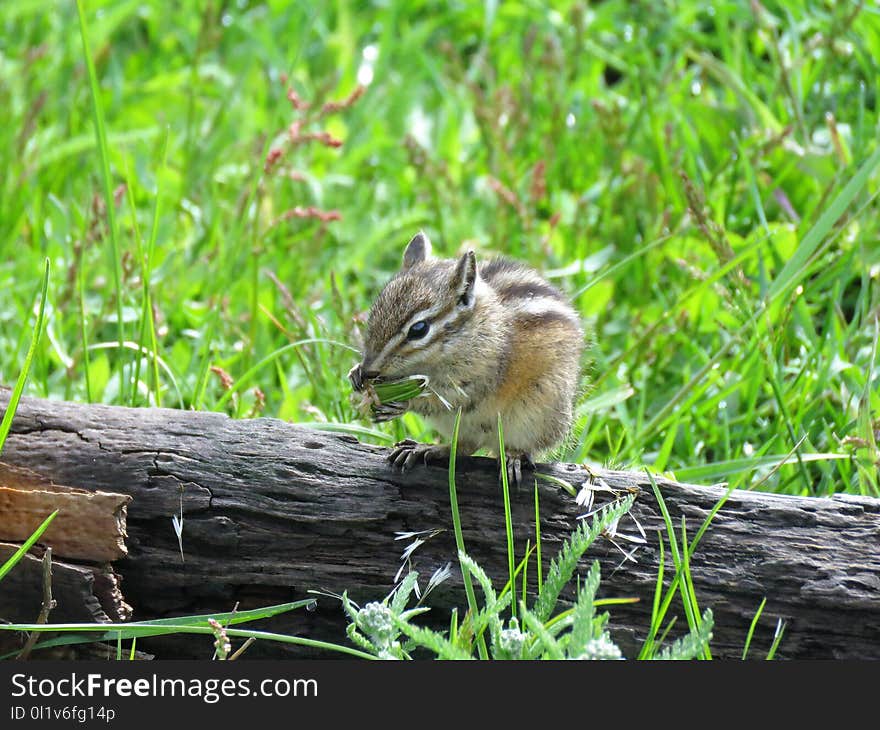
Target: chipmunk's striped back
x=531, y=299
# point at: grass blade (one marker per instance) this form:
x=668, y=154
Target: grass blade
x=28, y=544
x=538, y=539
x=6, y=424
x=777, y=638
x=752, y=628
x=459, y=537
x=722, y=469
x=107, y=185
x=795, y=268
x=691, y=593
x=656, y=617
x=168, y=629
x=508, y=525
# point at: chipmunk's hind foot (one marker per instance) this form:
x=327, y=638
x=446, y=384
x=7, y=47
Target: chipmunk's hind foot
x=515, y=465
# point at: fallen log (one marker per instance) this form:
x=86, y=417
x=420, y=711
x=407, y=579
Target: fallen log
x=272, y=511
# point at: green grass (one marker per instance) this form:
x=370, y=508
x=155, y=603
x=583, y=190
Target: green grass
x=702, y=181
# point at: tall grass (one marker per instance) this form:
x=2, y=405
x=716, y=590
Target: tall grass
x=702, y=180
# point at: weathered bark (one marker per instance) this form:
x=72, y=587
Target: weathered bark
x=89, y=525
x=273, y=510
x=82, y=593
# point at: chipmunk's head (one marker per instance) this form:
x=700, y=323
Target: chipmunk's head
x=422, y=316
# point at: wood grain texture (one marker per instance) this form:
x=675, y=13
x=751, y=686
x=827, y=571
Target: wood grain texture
x=273, y=510
x=89, y=526
x=83, y=593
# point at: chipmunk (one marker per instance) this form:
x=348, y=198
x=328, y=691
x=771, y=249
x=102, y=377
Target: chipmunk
x=492, y=338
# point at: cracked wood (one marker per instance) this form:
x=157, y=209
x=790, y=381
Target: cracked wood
x=82, y=593
x=273, y=510
x=89, y=526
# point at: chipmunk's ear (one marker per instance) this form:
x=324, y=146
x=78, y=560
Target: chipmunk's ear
x=464, y=278
x=417, y=250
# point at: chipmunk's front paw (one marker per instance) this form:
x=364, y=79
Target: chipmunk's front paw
x=515, y=465
x=406, y=454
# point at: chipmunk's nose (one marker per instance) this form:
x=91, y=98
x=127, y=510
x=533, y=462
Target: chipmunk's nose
x=359, y=373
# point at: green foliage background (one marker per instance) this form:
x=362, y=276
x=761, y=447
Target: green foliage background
x=700, y=177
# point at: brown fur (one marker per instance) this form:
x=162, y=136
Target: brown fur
x=501, y=340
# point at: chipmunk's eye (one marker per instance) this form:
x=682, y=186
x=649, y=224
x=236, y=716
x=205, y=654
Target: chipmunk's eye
x=418, y=330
